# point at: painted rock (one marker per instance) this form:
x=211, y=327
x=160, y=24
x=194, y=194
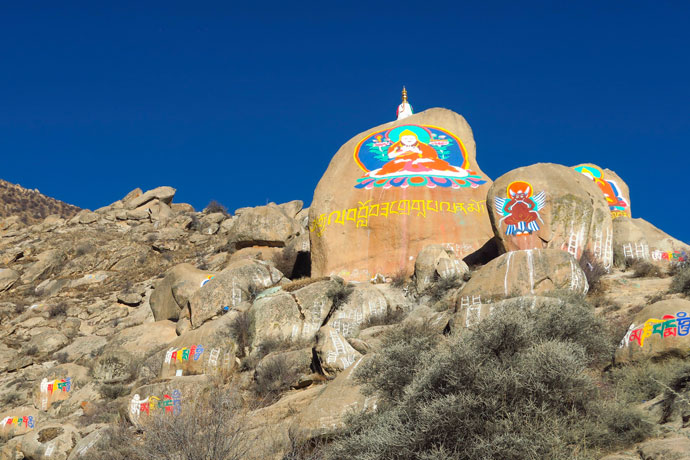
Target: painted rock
x=638, y=239
x=58, y=384
x=365, y=303
x=523, y=273
x=163, y=399
x=334, y=352
x=18, y=421
x=210, y=349
x=549, y=206
x=613, y=188
x=394, y=189
x=235, y=285
x=662, y=328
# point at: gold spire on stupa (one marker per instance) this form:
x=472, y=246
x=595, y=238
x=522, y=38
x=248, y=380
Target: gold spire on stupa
x=404, y=95
x=404, y=109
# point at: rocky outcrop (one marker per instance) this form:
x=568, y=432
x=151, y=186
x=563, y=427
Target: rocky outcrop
x=613, y=188
x=549, y=206
x=373, y=212
x=637, y=239
x=524, y=273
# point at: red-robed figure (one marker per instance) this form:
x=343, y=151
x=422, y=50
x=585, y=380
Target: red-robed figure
x=411, y=155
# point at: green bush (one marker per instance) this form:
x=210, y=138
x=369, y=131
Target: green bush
x=645, y=380
x=517, y=386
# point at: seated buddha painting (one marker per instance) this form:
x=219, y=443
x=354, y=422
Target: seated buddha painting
x=414, y=156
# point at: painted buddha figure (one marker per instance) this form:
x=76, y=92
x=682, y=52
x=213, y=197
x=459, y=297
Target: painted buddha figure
x=410, y=155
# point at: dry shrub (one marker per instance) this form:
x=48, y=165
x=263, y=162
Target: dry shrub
x=399, y=279
x=209, y=427
x=273, y=376
x=300, y=283
x=517, y=386
x=214, y=206
x=593, y=270
x=391, y=316
x=56, y=310
x=441, y=285
x=643, y=269
x=681, y=280
x=339, y=293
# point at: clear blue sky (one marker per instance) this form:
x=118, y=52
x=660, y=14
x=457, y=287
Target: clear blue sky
x=247, y=104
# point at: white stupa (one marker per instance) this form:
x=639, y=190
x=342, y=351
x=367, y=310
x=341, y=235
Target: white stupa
x=404, y=109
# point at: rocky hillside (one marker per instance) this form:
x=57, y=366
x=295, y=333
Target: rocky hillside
x=147, y=330
x=30, y=206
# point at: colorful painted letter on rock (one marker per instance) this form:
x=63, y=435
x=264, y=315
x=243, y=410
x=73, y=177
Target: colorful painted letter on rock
x=614, y=197
x=520, y=209
x=414, y=156
x=668, y=326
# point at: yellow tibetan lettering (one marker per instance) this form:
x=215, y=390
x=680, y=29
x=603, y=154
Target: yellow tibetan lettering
x=448, y=207
x=404, y=207
x=648, y=329
x=363, y=214
x=432, y=205
x=461, y=207
x=420, y=207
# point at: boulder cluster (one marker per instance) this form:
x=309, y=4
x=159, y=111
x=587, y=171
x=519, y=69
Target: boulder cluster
x=128, y=311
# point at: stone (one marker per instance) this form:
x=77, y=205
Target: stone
x=88, y=217
x=325, y=415
x=435, y=261
x=334, y=352
x=114, y=366
x=673, y=448
x=425, y=317
x=235, y=285
x=7, y=278
x=660, y=329
x=47, y=263
x=297, y=361
x=262, y=226
x=164, y=194
x=524, y=273
x=179, y=283
x=82, y=347
x=550, y=206
x=177, y=390
x=83, y=446
x=291, y=208
x=140, y=340
x=47, y=341
x=181, y=207
x=372, y=214
x=131, y=299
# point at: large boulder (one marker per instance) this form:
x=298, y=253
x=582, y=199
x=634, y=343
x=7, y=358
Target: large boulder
x=58, y=384
x=210, y=349
x=7, y=278
x=366, y=302
x=326, y=414
x=524, y=273
x=173, y=292
x=293, y=316
x=163, y=194
x=270, y=225
x=549, y=206
x=237, y=284
x=54, y=441
x=662, y=328
x=434, y=262
x=638, y=239
x=411, y=183
x=47, y=262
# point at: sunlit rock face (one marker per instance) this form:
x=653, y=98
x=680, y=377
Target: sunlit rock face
x=394, y=189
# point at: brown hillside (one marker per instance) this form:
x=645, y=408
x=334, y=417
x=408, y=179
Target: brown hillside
x=30, y=205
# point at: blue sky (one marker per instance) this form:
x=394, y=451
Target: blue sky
x=247, y=104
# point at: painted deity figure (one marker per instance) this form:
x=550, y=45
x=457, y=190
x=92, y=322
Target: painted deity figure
x=520, y=210
x=613, y=195
x=411, y=155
